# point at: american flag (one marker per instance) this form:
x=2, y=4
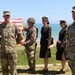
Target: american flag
x=17, y=21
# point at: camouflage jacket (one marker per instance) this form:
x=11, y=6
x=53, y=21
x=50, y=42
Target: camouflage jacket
x=8, y=34
x=71, y=41
x=31, y=38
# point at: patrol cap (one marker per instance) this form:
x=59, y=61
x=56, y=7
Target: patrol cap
x=44, y=18
x=73, y=9
x=31, y=19
x=6, y=13
x=62, y=21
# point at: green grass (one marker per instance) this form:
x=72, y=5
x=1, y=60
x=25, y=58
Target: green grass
x=22, y=57
x=22, y=60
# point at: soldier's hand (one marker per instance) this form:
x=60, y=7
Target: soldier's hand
x=25, y=28
x=59, y=41
x=23, y=43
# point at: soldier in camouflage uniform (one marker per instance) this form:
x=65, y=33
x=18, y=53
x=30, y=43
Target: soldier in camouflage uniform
x=30, y=44
x=71, y=44
x=8, y=32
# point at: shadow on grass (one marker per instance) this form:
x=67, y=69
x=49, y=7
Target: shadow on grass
x=53, y=72
x=21, y=71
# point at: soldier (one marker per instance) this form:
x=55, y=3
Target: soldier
x=71, y=44
x=8, y=32
x=30, y=44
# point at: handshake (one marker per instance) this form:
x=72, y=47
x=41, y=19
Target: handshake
x=22, y=42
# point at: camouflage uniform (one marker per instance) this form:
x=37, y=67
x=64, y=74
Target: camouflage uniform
x=31, y=46
x=8, y=53
x=71, y=47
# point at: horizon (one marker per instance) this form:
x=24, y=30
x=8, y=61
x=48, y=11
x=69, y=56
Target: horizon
x=55, y=10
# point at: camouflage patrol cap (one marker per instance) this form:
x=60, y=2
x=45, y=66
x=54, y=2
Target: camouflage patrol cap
x=6, y=13
x=31, y=19
x=73, y=9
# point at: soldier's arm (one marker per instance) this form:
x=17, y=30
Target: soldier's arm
x=33, y=38
x=67, y=34
x=49, y=36
x=19, y=33
x=67, y=43
x=25, y=28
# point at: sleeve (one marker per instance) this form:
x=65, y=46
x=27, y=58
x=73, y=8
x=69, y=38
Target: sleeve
x=18, y=30
x=41, y=35
x=32, y=39
x=67, y=34
x=49, y=36
x=62, y=34
x=67, y=42
x=19, y=34
x=25, y=28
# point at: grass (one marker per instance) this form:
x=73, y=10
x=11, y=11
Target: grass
x=23, y=63
x=22, y=57
x=22, y=60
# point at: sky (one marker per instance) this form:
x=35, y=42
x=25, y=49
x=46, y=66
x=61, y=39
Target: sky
x=55, y=10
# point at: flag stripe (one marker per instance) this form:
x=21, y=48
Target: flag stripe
x=17, y=21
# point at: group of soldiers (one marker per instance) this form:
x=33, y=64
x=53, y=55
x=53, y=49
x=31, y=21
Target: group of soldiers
x=9, y=31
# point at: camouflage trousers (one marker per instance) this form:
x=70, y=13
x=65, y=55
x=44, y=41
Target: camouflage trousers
x=31, y=58
x=8, y=63
x=71, y=64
